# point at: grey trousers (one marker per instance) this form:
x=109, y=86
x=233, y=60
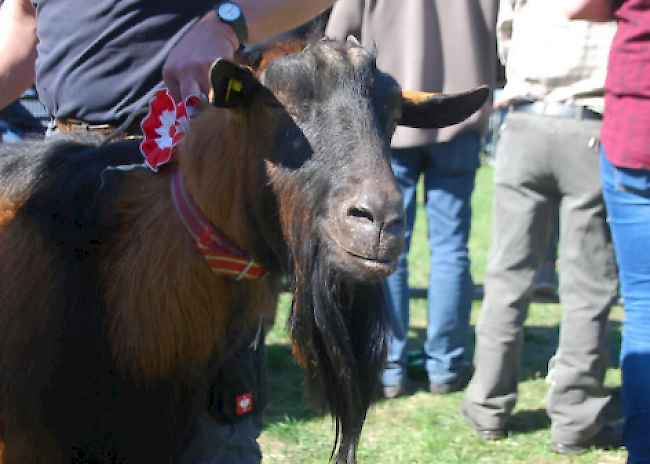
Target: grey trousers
x=544, y=163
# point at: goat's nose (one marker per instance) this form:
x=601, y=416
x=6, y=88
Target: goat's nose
x=377, y=211
x=372, y=224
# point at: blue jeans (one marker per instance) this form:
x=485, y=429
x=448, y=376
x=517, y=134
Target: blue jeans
x=627, y=197
x=8, y=134
x=449, y=170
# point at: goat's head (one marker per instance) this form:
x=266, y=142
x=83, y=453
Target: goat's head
x=333, y=115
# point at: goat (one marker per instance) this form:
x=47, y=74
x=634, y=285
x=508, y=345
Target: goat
x=112, y=324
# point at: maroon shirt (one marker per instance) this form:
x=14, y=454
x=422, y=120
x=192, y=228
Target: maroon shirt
x=626, y=125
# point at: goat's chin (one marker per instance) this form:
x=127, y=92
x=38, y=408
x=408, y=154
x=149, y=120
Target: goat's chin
x=366, y=256
x=359, y=268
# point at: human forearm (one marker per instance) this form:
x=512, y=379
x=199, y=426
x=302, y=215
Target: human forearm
x=186, y=70
x=271, y=17
x=17, y=49
x=590, y=10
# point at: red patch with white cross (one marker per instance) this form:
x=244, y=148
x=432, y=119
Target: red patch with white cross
x=244, y=403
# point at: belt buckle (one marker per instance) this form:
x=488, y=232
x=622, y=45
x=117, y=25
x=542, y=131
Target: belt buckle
x=96, y=127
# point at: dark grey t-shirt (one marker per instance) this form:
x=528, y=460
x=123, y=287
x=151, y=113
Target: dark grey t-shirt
x=98, y=60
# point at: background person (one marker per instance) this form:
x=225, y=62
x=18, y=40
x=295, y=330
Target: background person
x=548, y=157
x=625, y=175
x=435, y=46
x=142, y=41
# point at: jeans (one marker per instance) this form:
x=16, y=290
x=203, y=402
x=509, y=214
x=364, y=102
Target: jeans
x=9, y=134
x=449, y=171
x=27, y=115
x=627, y=196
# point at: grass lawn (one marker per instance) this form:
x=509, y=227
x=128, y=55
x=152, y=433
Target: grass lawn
x=422, y=428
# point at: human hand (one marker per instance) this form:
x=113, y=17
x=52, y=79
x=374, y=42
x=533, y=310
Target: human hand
x=188, y=65
x=590, y=10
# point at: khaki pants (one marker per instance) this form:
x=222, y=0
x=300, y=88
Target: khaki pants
x=542, y=163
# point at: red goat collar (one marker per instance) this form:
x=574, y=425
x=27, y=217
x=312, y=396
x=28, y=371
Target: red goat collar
x=223, y=257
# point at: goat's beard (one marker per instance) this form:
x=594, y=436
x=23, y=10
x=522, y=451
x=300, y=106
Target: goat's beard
x=338, y=336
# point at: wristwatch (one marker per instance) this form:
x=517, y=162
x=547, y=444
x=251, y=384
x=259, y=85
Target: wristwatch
x=231, y=14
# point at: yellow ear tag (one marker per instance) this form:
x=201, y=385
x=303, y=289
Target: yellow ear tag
x=235, y=85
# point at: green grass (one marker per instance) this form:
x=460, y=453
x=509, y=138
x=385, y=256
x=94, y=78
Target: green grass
x=422, y=428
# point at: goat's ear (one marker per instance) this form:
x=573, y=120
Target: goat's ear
x=233, y=86
x=425, y=110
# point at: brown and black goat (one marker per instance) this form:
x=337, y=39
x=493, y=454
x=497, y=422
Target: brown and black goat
x=112, y=324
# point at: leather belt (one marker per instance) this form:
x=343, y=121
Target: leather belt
x=556, y=110
x=76, y=125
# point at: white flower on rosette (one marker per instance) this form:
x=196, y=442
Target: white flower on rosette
x=167, y=129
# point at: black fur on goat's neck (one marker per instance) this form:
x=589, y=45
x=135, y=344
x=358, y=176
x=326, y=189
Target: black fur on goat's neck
x=339, y=327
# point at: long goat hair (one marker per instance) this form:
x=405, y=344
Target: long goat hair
x=340, y=327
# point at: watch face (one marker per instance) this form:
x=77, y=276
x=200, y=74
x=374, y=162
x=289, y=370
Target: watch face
x=229, y=11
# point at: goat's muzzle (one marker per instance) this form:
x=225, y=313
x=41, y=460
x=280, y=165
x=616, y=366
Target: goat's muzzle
x=367, y=231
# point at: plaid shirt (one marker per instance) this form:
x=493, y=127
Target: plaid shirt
x=550, y=58
x=626, y=127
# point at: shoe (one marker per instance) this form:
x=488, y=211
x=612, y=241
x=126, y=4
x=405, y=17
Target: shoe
x=546, y=280
x=458, y=384
x=416, y=367
x=485, y=434
x=491, y=434
x=393, y=391
x=610, y=436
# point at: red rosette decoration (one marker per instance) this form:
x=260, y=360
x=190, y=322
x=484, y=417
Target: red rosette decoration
x=165, y=126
